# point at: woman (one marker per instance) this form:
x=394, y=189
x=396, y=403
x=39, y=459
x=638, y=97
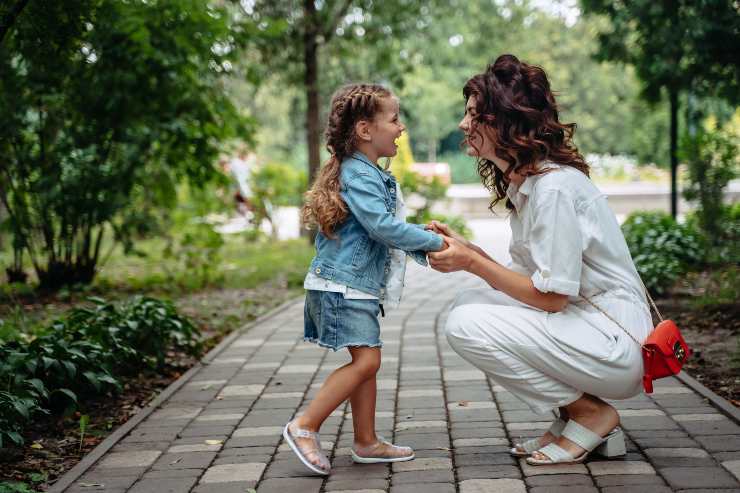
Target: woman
x=546, y=331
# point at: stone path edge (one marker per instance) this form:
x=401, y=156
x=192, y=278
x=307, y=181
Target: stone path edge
x=97, y=453
x=717, y=401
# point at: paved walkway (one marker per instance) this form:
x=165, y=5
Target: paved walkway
x=221, y=432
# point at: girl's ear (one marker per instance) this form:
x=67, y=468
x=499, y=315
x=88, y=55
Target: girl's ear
x=362, y=130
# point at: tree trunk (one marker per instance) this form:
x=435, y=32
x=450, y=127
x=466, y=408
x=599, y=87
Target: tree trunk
x=673, y=97
x=311, y=62
x=432, y=150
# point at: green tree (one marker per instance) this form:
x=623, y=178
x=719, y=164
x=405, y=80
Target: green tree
x=677, y=47
x=293, y=39
x=99, y=97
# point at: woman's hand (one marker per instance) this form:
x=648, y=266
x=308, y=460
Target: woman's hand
x=443, y=229
x=455, y=257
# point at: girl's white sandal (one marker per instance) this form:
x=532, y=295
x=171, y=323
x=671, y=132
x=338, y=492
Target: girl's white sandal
x=611, y=445
x=368, y=455
x=291, y=435
x=526, y=448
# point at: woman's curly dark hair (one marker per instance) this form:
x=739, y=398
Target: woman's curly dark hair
x=517, y=112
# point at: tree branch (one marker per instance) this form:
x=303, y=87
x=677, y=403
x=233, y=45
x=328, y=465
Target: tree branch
x=333, y=23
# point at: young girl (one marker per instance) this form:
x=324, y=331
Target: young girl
x=354, y=204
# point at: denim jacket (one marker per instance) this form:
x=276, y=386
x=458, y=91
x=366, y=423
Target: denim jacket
x=358, y=257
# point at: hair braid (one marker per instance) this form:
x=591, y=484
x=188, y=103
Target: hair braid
x=324, y=205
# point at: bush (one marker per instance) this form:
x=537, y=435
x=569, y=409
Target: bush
x=724, y=243
x=79, y=355
x=661, y=248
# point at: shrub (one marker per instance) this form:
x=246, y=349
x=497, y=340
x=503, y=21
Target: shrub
x=78, y=355
x=724, y=243
x=661, y=248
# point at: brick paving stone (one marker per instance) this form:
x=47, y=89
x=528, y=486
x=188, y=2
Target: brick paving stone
x=560, y=480
x=564, y=489
x=130, y=459
x=422, y=465
x=627, y=480
x=189, y=460
x=233, y=487
x=160, y=485
x=728, y=443
x=434, y=476
x=290, y=485
x=423, y=488
x=225, y=473
x=645, y=488
x=698, y=477
x=602, y=468
x=489, y=485
x=375, y=484
x=733, y=466
x=173, y=473
x=487, y=472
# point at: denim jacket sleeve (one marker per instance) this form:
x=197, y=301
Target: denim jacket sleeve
x=364, y=196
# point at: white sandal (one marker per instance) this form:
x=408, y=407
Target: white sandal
x=526, y=448
x=291, y=435
x=611, y=445
x=365, y=455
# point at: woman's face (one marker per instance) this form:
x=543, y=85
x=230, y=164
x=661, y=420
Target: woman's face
x=477, y=142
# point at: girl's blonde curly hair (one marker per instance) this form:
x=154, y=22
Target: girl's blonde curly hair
x=324, y=206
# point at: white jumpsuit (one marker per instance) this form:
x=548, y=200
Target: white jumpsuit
x=565, y=237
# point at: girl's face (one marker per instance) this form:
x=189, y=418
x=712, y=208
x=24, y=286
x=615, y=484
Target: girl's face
x=478, y=144
x=386, y=128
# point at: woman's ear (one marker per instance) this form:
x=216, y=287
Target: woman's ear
x=362, y=130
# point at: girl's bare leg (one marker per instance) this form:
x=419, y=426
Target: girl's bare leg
x=337, y=388
x=362, y=401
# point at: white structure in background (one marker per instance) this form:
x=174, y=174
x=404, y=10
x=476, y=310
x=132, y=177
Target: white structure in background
x=286, y=222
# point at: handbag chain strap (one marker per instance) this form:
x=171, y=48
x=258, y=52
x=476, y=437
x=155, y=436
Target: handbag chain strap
x=652, y=303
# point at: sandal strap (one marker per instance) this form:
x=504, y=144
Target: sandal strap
x=556, y=453
x=581, y=436
x=302, y=433
x=556, y=428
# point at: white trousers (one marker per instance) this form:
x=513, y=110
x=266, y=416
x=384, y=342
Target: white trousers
x=550, y=360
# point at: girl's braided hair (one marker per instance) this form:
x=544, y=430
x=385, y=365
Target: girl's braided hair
x=324, y=205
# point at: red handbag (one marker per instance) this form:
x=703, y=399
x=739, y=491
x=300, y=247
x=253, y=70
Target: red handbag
x=664, y=351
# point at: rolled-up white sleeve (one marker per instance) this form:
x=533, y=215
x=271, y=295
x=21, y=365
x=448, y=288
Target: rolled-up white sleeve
x=556, y=244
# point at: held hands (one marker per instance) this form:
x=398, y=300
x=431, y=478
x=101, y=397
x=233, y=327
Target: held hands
x=453, y=257
x=444, y=230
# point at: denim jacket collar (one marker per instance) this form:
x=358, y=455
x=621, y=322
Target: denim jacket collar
x=386, y=174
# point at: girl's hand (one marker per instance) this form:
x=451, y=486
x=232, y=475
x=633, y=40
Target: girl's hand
x=455, y=257
x=445, y=230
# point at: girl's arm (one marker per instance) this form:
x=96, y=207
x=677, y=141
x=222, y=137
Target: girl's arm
x=364, y=195
x=459, y=257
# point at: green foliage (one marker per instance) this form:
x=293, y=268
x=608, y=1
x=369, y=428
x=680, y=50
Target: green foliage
x=15, y=487
x=678, y=45
x=274, y=185
x=722, y=288
x=196, y=252
x=661, y=248
x=712, y=161
x=127, y=97
x=79, y=354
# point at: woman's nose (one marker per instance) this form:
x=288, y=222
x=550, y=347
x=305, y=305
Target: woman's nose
x=463, y=125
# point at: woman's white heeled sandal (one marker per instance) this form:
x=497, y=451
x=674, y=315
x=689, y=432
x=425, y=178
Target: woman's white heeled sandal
x=291, y=435
x=611, y=445
x=526, y=448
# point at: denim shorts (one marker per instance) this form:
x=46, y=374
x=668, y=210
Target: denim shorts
x=334, y=322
